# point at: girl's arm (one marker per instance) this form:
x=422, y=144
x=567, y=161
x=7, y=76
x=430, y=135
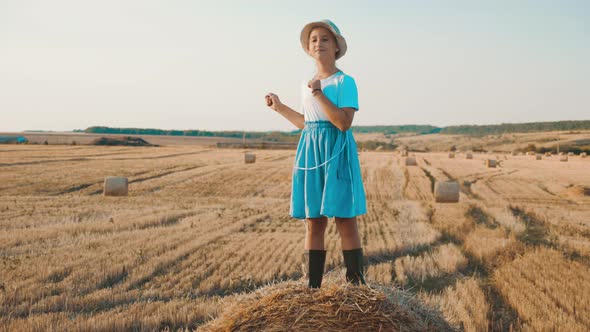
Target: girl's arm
x=341, y=118
x=294, y=117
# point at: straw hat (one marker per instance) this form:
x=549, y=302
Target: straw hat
x=328, y=25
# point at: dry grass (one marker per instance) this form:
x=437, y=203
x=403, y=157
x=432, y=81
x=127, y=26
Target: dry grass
x=502, y=142
x=548, y=291
x=463, y=304
x=337, y=306
x=451, y=219
x=443, y=260
x=506, y=219
x=484, y=244
x=199, y=227
x=381, y=273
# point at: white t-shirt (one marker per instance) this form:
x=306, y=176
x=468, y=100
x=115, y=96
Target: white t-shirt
x=339, y=88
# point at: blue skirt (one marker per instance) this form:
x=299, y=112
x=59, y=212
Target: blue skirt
x=326, y=174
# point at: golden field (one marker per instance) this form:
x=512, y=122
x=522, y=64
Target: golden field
x=199, y=226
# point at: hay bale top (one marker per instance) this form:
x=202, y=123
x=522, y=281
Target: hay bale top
x=116, y=186
x=125, y=140
x=411, y=161
x=336, y=306
x=249, y=158
x=446, y=192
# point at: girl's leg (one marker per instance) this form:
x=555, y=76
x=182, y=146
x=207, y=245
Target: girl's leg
x=351, y=249
x=314, y=233
x=349, y=233
x=314, y=255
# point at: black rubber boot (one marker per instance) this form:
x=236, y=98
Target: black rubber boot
x=315, y=260
x=353, y=259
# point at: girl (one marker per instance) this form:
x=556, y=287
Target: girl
x=326, y=175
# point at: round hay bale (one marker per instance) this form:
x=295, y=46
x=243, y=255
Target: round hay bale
x=411, y=161
x=115, y=186
x=469, y=155
x=547, y=154
x=249, y=158
x=563, y=157
x=583, y=155
x=451, y=154
x=446, y=192
x=491, y=163
x=539, y=156
x=336, y=306
x=570, y=154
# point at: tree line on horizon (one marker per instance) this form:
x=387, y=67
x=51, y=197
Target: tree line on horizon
x=472, y=130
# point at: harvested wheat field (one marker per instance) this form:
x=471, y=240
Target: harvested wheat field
x=200, y=231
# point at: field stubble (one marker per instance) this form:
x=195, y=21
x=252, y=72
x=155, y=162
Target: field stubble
x=200, y=226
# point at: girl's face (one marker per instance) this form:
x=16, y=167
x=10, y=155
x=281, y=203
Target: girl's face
x=322, y=44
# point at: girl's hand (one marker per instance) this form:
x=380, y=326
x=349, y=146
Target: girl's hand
x=272, y=101
x=314, y=84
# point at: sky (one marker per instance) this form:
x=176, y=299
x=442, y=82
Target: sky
x=207, y=65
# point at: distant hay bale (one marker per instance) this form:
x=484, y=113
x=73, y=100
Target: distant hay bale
x=411, y=161
x=336, y=306
x=539, y=156
x=250, y=158
x=583, y=155
x=446, y=192
x=563, y=157
x=115, y=186
x=547, y=154
x=123, y=140
x=469, y=155
x=451, y=154
x=570, y=154
x=491, y=163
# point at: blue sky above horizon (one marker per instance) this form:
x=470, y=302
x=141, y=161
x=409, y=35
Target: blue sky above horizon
x=68, y=65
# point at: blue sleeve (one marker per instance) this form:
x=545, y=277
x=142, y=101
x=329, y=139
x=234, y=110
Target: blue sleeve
x=347, y=93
